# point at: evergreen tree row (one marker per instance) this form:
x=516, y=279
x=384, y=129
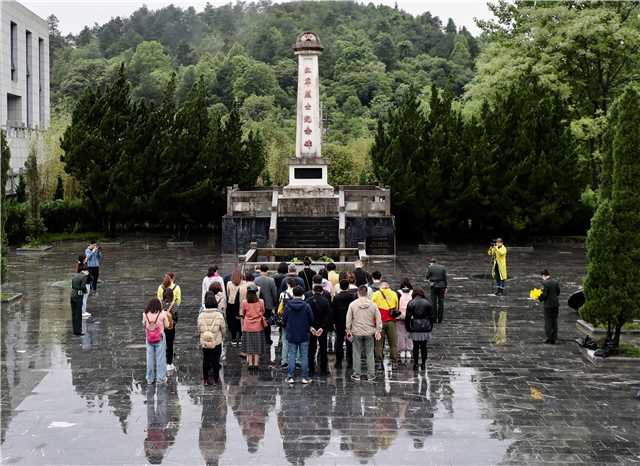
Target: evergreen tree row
x=512, y=170
x=164, y=165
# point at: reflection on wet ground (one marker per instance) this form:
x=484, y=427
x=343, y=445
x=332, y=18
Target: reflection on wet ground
x=485, y=398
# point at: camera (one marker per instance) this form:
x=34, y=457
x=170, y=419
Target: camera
x=493, y=243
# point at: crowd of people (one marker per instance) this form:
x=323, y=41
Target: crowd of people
x=354, y=314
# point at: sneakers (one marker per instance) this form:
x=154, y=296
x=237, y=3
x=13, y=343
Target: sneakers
x=291, y=381
x=86, y=314
x=355, y=378
x=371, y=378
x=306, y=381
x=171, y=367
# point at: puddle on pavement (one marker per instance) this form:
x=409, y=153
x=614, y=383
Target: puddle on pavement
x=500, y=327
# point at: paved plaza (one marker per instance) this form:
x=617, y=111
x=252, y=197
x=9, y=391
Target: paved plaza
x=492, y=393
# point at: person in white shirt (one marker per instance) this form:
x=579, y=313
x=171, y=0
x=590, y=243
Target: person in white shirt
x=212, y=277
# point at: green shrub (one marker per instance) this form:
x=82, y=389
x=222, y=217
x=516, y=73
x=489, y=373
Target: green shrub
x=66, y=215
x=17, y=215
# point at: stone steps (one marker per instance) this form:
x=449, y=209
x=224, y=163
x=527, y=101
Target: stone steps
x=304, y=232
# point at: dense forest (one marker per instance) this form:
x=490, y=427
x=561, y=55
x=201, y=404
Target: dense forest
x=501, y=132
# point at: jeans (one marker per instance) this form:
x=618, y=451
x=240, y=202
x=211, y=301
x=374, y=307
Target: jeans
x=95, y=273
x=551, y=324
x=303, y=349
x=157, y=361
x=340, y=334
x=499, y=280
x=318, y=344
x=437, y=299
x=76, y=315
x=211, y=363
x=366, y=343
x=170, y=335
x=389, y=334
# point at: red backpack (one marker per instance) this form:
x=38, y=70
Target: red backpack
x=154, y=335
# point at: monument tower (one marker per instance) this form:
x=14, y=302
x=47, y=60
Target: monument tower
x=309, y=213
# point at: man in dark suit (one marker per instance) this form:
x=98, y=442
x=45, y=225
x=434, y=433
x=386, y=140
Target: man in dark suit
x=437, y=277
x=549, y=296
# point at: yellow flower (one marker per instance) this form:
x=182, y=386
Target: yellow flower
x=535, y=293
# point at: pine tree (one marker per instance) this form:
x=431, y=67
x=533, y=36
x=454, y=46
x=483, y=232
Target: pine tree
x=35, y=226
x=611, y=288
x=21, y=189
x=59, y=193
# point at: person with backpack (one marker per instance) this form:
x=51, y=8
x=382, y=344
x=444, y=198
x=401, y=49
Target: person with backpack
x=340, y=306
x=284, y=298
x=387, y=301
x=419, y=323
x=169, y=281
x=405, y=344
x=155, y=321
x=322, y=321
x=169, y=307
x=253, y=324
x=307, y=274
x=212, y=328
x=298, y=319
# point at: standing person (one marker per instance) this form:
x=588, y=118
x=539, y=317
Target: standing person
x=333, y=277
x=94, y=260
x=280, y=274
x=233, y=306
x=154, y=320
x=82, y=268
x=78, y=290
x=269, y=294
x=419, y=323
x=169, y=308
x=212, y=328
x=324, y=280
x=169, y=281
x=221, y=299
x=322, y=321
x=297, y=319
x=284, y=298
x=291, y=274
x=499, y=268
x=307, y=274
x=376, y=282
x=212, y=277
x=361, y=275
x=549, y=296
x=362, y=324
x=405, y=344
x=253, y=324
x=437, y=278
x=317, y=280
x=387, y=301
x=340, y=306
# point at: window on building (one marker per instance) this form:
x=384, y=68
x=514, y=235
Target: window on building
x=14, y=110
x=41, y=71
x=14, y=51
x=29, y=79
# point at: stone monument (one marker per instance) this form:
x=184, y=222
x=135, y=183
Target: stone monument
x=309, y=212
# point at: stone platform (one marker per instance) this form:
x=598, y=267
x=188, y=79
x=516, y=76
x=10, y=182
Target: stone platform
x=491, y=394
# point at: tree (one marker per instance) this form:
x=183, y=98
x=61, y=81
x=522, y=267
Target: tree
x=59, y=193
x=35, y=225
x=21, y=189
x=5, y=161
x=612, y=295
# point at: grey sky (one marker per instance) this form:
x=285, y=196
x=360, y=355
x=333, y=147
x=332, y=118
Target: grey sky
x=75, y=14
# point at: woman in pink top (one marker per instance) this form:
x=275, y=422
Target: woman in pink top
x=253, y=323
x=155, y=321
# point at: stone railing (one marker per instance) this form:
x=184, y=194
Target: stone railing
x=256, y=202
x=366, y=201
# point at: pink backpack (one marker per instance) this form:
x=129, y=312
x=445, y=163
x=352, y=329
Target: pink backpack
x=154, y=335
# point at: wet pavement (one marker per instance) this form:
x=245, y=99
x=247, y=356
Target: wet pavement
x=491, y=394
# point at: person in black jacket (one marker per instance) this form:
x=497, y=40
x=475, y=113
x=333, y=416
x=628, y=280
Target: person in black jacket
x=340, y=306
x=437, y=277
x=549, y=296
x=307, y=274
x=361, y=275
x=419, y=323
x=317, y=280
x=322, y=321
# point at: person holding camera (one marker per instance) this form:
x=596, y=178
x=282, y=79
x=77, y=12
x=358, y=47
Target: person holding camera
x=499, y=268
x=93, y=254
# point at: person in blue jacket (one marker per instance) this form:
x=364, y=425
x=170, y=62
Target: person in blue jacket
x=297, y=320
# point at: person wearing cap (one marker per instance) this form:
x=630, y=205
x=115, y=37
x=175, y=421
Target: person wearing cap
x=437, y=278
x=363, y=324
x=253, y=324
x=549, y=296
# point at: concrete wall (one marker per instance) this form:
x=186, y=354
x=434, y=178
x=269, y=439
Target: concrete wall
x=33, y=91
x=379, y=234
x=238, y=232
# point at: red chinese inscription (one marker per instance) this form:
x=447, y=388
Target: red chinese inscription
x=307, y=131
x=307, y=119
x=308, y=143
x=307, y=107
x=307, y=70
x=307, y=81
x=307, y=94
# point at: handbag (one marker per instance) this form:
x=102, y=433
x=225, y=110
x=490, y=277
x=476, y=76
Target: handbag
x=393, y=312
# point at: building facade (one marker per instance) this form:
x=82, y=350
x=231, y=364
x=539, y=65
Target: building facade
x=24, y=79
